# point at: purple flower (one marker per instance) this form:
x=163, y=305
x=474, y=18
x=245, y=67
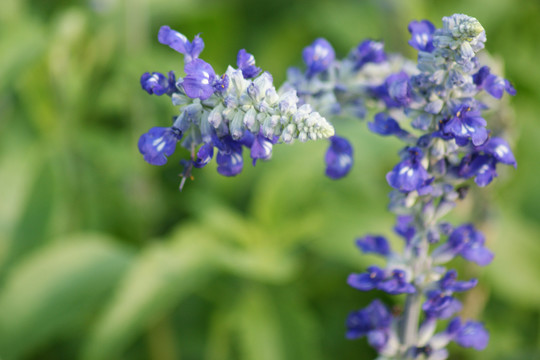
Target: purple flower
x=395, y=92
x=318, y=56
x=467, y=123
x=368, y=51
x=467, y=242
x=229, y=158
x=246, y=62
x=481, y=167
x=374, y=244
x=449, y=283
x=472, y=335
x=204, y=155
x=404, y=227
x=180, y=43
x=199, y=80
x=261, y=148
x=440, y=305
x=421, y=35
x=158, y=143
x=500, y=150
x=157, y=84
x=492, y=84
x=339, y=158
x=481, y=164
x=409, y=174
x=384, y=125
x=397, y=284
x=367, y=281
x=374, y=321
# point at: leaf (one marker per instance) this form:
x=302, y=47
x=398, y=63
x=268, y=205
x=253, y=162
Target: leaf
x=54, y=288
x=161, y=276
x=259, y=327
x=515, y=270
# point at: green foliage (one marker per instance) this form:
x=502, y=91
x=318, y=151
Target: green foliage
x=102, y=258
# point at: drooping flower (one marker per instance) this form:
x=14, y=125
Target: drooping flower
x=339, y=158
x=158, y=143
x=409, y=174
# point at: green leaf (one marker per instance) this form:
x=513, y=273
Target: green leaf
x=515, y=271
x=161, y=276
x=55, y=288
x=259, y=327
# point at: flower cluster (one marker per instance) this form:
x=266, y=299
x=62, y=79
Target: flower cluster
x=447, y=143
x=226, y=113
x=348, y=87
x=435, y=106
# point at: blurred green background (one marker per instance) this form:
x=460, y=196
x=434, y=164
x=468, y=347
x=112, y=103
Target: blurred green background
x=101, y=257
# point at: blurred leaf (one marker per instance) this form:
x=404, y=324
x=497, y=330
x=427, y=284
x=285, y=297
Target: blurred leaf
x=259, y=327
x=161, y=276
x=18, y=168
x=55, y=288
x=515, y=271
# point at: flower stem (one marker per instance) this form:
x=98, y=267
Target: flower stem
x=408, y=330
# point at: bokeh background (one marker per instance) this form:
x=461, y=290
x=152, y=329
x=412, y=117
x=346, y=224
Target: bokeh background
x=101, y=257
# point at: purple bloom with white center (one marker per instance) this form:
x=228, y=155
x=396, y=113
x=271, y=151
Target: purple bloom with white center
x=492, y=84
x=199, y=80
x=409, y=174
x=246, y=62
x=367, y=281
x=368, y=51
x=384, y=125
x=230, y=163
x=229, y=157
x=374, y=321
x=467, y=123
x=339, y=158
x=374, y=244
x=481, y=167
x=500, y=150
x=318, y=56
x=180, y=43
x=157, y=84
x=158, y=143
x=204, y=155
x=422, y=35
x=440, y=305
